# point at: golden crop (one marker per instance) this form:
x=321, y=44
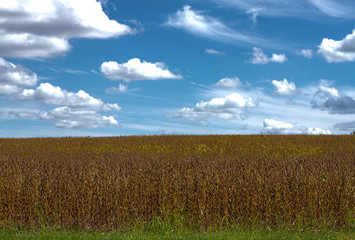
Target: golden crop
x=107, y=183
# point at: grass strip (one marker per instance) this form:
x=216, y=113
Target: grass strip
x=242, y=234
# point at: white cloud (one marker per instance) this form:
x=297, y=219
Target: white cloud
x=65, y=117
x=26, y=45
x=338, y=8
x=327, y=92
x=120, y=89
x=229, y=82
x=341, y=105
x=301, y=8
x=54, y=95
x=16, y=74
x=22, y=113
x=14, y=77
x=233, y=106
x=318, y=131
x=284, y=88
x=270, y=8
x=75, y=71
x=9, y=89
x=254, y=13
x=338, y=51
x=332, y=100
x=272, y=126
x=307, y=53
x=270, y=106
x=261, y=58
x=195, y=22
x=76, y=110
x=214, y=52
x=31, y=28
x=134, y=69
x=278, y=58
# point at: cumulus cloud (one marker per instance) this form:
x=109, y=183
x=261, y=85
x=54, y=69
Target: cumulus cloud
x=329, y=98
x=272, y=126
x=261, y=58
x=8, y=89
x=65, y=117
x=307, y=53
x=233, y=82
x=25, y=45
x=31, y=28
x=16, y=74
x=135, y=69
x=54, y=95
x=76, y=110
x=195, y=22
x=72, y=110
x=233, y=106
x=214, y=52
x=327, y=92
x=284, y=88
x=14, y=77
x=338, y=51
x=341, y=105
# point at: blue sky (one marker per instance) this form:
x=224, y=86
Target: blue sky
x=114, y=67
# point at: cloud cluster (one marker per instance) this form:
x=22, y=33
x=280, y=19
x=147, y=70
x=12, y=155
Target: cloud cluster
x=259, y=57
x=272, y=126
x=338, y=51
x=284, y=88
x=66, y=117
x=227, y=82
x=135, y=69
x=341, y=105
x=14, y=77
x=30, y=29
x=331, y=100
x=53, y=95
x=195, y=22
x=71, y=110
x=233, y=106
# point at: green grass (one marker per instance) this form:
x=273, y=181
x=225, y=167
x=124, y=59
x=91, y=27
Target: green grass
x=175, y=228
x=243, y=234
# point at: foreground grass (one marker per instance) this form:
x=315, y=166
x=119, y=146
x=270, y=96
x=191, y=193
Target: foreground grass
x=241, y=234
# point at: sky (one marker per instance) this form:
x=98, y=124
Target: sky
x=117, y=67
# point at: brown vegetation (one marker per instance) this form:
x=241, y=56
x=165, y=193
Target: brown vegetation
x=109, y=183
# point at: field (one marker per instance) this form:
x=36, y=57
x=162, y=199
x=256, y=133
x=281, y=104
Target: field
x=203, y=182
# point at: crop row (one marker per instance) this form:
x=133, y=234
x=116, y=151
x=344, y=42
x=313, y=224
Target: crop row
x=110, y=183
